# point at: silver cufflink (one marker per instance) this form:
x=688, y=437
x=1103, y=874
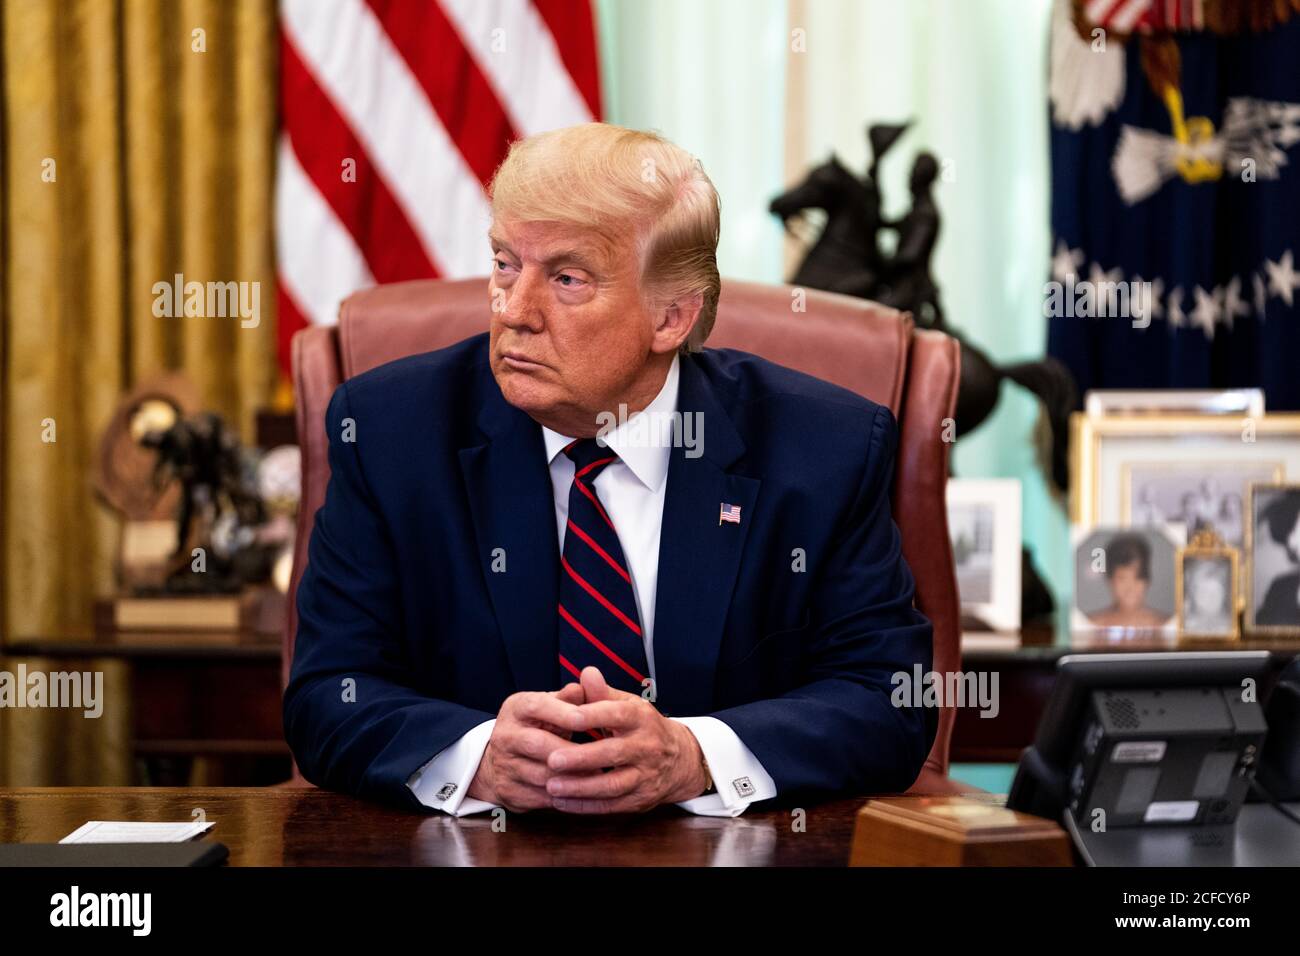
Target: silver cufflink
x=447, y=790
x=743, y=786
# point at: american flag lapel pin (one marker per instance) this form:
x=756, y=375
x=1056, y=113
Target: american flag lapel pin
x=729, y=513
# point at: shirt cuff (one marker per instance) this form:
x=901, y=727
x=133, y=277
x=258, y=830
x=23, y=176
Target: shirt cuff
x=737, y=775
x=443, y=782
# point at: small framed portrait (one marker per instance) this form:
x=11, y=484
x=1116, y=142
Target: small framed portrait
x=984, y=527
x=1192, y=469
x=1273, y=559
x=1124, y=579
x=1207, y=589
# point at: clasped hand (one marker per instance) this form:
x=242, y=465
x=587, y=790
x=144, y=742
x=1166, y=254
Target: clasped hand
x=642, y=760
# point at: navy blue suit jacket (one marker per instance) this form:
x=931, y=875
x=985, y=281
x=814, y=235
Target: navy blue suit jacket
x=787, y=627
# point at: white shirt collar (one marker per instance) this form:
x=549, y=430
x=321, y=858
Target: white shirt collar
x=646, y=459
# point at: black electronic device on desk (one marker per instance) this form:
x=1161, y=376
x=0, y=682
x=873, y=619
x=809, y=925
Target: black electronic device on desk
x=77, y=855
x=1279, y=770
x=1134, y=745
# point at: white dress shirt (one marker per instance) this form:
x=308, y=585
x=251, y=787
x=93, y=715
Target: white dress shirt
x=632, y=490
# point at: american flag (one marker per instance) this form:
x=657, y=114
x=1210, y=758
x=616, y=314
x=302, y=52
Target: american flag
x=728, y=512
x=395, y=114
x=1145, y=16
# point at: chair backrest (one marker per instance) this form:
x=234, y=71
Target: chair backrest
x=859, y=345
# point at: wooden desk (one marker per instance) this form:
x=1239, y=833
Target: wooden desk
x=310, y=827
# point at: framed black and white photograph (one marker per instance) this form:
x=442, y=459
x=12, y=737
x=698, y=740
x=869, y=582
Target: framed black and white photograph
x=1273, y=559
x=1207, y=589
x=1200, y=495
x=984, y=527
x=1146, y=470
x=1124, y=579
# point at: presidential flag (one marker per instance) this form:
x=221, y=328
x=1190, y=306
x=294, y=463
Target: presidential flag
x=395, y=115
x=1176, y=177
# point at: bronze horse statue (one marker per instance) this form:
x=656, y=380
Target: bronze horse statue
x=203, y=455
x=846, y=258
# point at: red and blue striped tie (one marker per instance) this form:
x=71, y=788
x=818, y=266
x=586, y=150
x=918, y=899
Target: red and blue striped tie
x=599, y=624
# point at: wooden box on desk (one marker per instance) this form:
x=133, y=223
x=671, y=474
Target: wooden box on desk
x=954, y=831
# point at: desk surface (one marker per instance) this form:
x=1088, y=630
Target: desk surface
x=309, y=827
x=1262, y=836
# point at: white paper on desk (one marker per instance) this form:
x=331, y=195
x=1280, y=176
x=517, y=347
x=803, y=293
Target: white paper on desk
x=124, y=831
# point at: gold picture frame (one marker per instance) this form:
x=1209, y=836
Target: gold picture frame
x=1248, y=549
x=1087, y=434
x=1208, y=546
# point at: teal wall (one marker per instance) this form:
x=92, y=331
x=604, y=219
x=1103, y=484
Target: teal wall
x=712, y=75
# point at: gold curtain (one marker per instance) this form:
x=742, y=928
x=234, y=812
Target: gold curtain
x=138, y=143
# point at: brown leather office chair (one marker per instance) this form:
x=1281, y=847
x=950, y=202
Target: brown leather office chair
x=856, y=344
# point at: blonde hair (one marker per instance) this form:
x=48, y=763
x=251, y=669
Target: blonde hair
x=605, y=178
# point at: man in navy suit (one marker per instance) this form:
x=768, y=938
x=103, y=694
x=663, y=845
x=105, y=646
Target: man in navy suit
x=579, y=562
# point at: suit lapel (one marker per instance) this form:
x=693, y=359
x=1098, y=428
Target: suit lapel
x=698, y=556
x=509, y=488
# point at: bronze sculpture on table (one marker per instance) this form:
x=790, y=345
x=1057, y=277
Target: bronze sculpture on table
x=846, y=257
x=193, y=518
x=217, y=498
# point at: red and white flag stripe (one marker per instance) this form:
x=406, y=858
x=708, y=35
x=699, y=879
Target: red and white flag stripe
x=1145, y=16
x=395, y=114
